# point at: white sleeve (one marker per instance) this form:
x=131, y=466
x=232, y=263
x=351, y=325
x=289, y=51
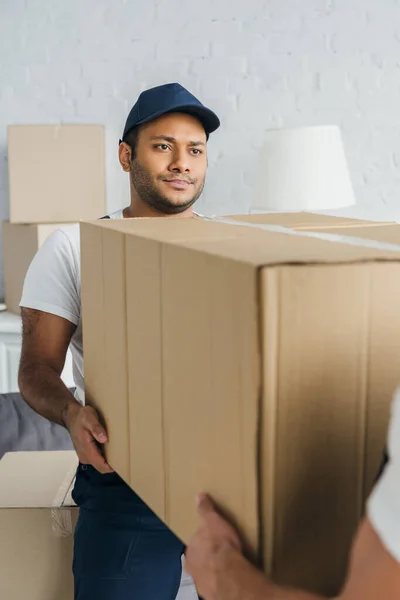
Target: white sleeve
x=51, y=283
x=384, y=504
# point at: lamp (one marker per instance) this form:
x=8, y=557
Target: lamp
x=303, y=169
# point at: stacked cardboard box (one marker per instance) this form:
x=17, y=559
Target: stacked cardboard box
x=56, y=175
x=253, y=363
x=37, y=518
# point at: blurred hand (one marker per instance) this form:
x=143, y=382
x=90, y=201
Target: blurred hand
x=86, y=432
x=215, y=538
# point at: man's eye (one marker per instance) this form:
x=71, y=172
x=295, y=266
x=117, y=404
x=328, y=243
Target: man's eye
x=162, y=146
x=196, y=151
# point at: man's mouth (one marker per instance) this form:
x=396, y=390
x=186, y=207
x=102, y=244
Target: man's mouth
x=179, y=184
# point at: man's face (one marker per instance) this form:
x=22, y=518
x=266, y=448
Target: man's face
x=169, y=168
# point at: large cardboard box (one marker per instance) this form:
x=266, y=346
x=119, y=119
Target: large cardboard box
x=37, y=518
x=245, y=363
x=20, y=244
x=56, y=173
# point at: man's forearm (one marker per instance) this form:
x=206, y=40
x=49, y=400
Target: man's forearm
x=45, y=392
x=237, y=579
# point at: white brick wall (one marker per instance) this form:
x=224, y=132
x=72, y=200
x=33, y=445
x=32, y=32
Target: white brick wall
x=258, y=63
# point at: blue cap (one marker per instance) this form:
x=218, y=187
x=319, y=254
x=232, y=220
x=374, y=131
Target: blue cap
x=168, y=98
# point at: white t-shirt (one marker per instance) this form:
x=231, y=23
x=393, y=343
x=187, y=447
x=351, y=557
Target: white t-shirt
x=384, y=503
x=53, y=285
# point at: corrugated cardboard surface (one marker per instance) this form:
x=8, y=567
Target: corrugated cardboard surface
x=20, y=244
x=56, y=173
x=36, y=561
x=315, y=386
x=242, y=362
x=385, y=341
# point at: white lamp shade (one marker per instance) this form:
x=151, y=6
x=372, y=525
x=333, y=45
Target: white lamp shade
x=303, y=169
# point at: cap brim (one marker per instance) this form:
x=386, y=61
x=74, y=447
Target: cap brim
x=207, y=117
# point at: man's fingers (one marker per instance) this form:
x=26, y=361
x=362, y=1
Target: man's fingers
x=90, y=453
x=96, y=459
x=99, y=435
x=86, y=433
x=213, y=519
x=205, y=505
x=97, y=430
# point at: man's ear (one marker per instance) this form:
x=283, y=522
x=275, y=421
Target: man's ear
x=125, y=156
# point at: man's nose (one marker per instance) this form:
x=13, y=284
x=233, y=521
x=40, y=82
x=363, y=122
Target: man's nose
x=180, y=162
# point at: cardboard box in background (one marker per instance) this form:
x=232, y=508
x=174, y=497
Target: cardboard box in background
x=37, y=518
x=245, y=363
x=56, y=173
x=20, y=244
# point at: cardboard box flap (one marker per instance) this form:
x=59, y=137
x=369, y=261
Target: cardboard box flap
x=351, y=225
x=276, y=249
x=256, y=244
x=385, y=233
x=169, y=229
x=300, y=220
x=370, y=239
x=37, y=479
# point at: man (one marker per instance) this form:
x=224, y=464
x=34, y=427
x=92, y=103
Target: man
x=221, y=572
x=121, y=549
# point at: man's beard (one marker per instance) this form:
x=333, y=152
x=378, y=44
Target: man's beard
x=148, y=192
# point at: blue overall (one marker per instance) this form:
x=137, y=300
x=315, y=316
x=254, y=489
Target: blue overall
x=122, y=551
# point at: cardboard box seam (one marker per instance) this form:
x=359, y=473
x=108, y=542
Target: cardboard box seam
x=162, y=394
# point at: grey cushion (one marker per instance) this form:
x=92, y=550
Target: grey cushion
x=23, y=429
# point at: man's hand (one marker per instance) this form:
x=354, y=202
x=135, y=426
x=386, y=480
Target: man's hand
x=219, y=569
x=86, y=431
x=213, y=543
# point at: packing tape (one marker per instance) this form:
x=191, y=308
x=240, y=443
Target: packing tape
x=61, y=515
x=328, y=237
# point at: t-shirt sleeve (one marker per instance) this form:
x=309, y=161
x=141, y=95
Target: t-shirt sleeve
x=51, y=283
x=384, y=503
